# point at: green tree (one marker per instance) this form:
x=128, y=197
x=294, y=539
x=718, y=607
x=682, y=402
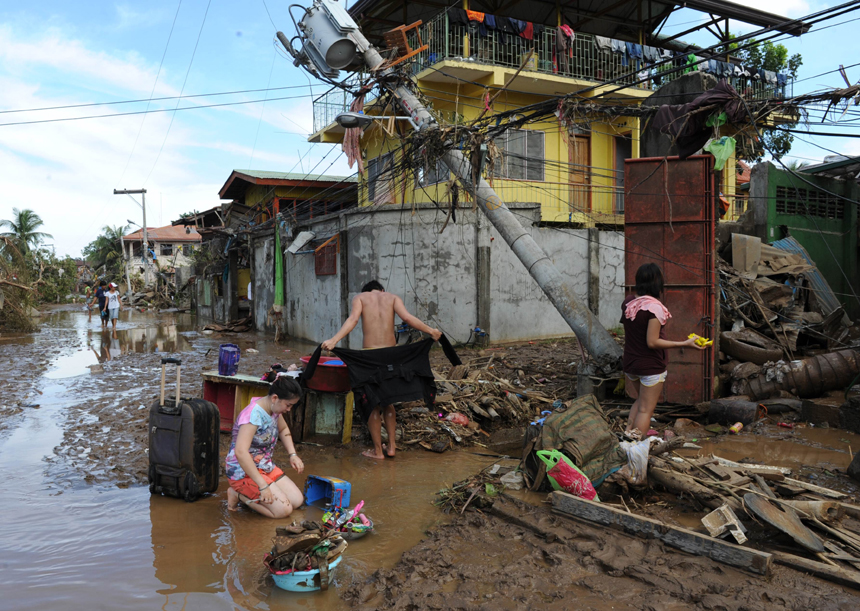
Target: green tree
x=106, y=250
x=771, y=56
x=23, y=230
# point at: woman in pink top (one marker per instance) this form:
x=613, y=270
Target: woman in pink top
x=254, y=478
x=644, y=318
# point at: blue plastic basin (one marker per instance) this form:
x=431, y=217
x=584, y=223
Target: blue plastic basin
x=302, y=581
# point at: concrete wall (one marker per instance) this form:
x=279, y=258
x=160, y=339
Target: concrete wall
x=438, y=274
x=262, y=278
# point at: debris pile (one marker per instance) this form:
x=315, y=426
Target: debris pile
x=303, y=547
x=764, y=504
x=784, y=329
x=471, y=403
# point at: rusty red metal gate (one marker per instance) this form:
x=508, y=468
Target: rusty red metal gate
x=669, y=220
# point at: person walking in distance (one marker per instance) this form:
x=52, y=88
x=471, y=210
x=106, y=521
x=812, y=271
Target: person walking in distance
x=376, y=308
x=113, y=304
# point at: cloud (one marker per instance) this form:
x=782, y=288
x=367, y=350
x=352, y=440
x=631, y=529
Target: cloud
x=102, y=71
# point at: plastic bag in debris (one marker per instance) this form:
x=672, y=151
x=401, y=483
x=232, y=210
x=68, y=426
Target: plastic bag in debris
x=636, y=469
x=564, y=475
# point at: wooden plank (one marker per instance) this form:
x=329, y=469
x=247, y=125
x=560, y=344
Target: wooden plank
x=819, y=569
x=737, y=465
x=816, y=489
x=347, y=418
x=681, y=538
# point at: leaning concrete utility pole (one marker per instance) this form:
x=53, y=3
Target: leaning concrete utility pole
x=331, y=41
x=145, y=249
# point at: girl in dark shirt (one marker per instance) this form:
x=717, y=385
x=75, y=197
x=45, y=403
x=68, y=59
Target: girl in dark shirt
x=645, y=344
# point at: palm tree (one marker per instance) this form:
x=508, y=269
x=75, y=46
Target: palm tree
x=23, y=229
x=106, y=249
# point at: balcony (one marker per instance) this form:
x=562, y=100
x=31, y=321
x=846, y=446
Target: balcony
x=459, y=54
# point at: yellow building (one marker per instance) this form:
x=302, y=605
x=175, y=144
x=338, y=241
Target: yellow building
x=486, y=58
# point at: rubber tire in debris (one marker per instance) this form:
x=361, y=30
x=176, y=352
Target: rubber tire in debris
x=740, y=348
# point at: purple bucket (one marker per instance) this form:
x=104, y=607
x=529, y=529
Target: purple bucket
x=228, y=359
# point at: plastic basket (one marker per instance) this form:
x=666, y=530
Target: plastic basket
x=302, y=581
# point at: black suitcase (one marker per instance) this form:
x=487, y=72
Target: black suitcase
x=183, y=444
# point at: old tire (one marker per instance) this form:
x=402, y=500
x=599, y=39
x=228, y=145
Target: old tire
x=741, y=348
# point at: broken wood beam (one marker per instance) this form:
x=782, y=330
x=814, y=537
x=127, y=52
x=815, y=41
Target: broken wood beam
x=839, y=575
x=680, y=538
x=816, y=489
x=679, y=483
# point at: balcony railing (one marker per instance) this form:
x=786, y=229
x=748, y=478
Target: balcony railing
x=450, y=41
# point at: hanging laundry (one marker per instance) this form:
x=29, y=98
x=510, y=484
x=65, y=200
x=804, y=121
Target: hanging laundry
x=781, y=79
x=561, y=52
x=603, y=43
x=618, y=46
x=652, y=54
x=665, y=54
x=475, y=16
x=494, y=23
x=634, y=50
x=568, y=32
x=528, y=32
x=712, y=66
x=770, y=77
x=458, y=16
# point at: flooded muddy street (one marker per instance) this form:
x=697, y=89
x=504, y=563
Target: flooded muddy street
x=81, y=529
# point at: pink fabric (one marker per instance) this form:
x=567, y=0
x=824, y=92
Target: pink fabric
x=245, y=415
x=649, y=304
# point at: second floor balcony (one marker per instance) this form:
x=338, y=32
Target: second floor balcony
x=461, y=54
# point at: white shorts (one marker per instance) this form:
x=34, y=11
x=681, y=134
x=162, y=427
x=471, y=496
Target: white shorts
x=649, y=381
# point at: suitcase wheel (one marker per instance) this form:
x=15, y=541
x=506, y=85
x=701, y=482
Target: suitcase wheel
x=192, y=489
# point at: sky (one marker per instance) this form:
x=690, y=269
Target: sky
x=95, y=52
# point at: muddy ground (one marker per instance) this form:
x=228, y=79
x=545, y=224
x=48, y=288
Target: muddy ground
x=516, y=556
x=105, y=437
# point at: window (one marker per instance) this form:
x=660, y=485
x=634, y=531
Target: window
x=623, y=150
x=136, y=249
x=522, y=155
x=425, y=177
x=809, y=202
x=380, y=179
x=187, y=249
x=166, y=250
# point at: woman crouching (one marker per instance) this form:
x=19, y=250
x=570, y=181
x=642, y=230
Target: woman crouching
x=254, y=478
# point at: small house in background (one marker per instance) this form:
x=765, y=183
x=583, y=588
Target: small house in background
x=239, y=237
x=170, y=248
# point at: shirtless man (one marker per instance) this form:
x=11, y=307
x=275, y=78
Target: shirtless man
x=376, y=309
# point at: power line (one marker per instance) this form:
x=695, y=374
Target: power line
x=184, y=81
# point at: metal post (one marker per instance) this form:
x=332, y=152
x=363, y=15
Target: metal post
x=142, y=193
x=145, y=241
x=125, y=258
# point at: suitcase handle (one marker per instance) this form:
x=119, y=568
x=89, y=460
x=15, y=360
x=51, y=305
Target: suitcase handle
x=178, y=363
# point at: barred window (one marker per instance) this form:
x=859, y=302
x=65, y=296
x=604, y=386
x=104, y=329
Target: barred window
x=425, y=177
x=522, y=155
x=809, y=202
x=166, y=250
x=380, y=179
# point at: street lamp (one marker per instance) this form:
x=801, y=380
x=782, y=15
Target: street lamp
x=359, y=119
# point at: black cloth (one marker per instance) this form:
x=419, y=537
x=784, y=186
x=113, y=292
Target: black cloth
x=384, y=376
x=458, y=16
x=688, y=128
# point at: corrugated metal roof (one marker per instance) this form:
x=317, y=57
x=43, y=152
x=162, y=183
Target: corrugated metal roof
x=823, y=292
x=263, y=174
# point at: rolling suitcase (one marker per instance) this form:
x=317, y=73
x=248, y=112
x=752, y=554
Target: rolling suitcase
x=183, y=444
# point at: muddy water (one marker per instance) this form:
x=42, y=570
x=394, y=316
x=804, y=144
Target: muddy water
x=68, y=544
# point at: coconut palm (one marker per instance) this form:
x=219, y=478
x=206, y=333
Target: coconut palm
x=107, y=249
x=23, y=229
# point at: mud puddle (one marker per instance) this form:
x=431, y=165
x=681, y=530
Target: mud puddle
x=80, y=524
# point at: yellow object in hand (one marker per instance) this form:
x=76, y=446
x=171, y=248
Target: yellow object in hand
x=703, y=342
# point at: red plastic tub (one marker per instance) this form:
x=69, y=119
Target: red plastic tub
x=329, y=378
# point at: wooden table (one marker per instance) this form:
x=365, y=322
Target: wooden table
x=231, y=394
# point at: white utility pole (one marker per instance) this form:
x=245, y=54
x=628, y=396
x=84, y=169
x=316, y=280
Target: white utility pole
x=145, y=250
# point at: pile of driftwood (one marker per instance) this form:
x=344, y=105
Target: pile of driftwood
x=234, y=326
